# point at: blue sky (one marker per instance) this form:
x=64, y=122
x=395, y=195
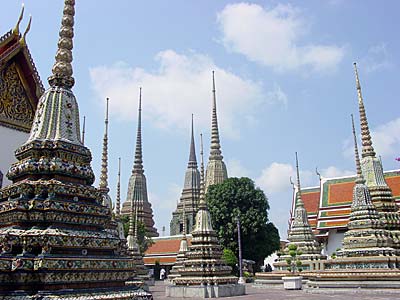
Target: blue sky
x=284, y=78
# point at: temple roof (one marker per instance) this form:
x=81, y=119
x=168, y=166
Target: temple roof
x=329, y=206
x=17, y=69
x=164, y=250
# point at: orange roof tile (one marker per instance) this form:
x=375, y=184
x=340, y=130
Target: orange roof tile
x=340, y=193
x=162, y=260
x=170, y=245
x=311, y=201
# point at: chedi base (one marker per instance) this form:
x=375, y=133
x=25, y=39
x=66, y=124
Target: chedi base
x=205, y=291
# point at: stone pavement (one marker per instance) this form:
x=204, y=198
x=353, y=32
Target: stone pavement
x=255, y=293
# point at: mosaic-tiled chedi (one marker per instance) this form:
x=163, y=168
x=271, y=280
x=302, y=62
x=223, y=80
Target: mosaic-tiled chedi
x=137, y=187
x=204, y=264
x=301, y=234
x=142, y=273
x=366, y=235
x=183, y=248
x=381, y=194
x=216, y=169
x=190, y=195
x=52, y=220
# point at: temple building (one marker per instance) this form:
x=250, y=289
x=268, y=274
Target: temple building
x=137, y=187
x=20, y=90
x=188, y=202
x=56, y=235
x=329, y=205
x=216, y=169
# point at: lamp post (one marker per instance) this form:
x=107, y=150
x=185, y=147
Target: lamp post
x=241, y=279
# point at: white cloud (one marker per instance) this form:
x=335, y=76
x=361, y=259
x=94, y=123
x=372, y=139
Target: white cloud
x=272, y=37
x=181, y=86
x=385, y=139
x=277, y=96
x=275, y=178
x=333, y=171
x=236, y=168
x=164, y=206
x=377, y=58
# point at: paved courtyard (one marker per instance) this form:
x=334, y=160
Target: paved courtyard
x=279, y=294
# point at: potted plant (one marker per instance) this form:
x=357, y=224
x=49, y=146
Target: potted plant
x=294, y=281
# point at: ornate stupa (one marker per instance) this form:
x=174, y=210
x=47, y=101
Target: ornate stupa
x=203, y=272
x=141, y=272
x=216, y=169
x=190, y=195
x=183, y=248
x=366, y=235
x=137, y=188
x=53, y=237
x=371, y=166
x=301, y=234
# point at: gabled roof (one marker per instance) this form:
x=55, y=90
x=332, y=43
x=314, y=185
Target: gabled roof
x=19, y=75
x=329, y=206
x=164, y=250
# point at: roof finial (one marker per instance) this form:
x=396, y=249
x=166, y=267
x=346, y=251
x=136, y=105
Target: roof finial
x=299, y=201
x=28, y=27
x=62, y=68
x=118, y=197
x=360, y=178
x=138, y=164
x=21, y=16
x=215, y=151
x=367, y=148
x=202, y=199
x=104, y=159
x=83, y=130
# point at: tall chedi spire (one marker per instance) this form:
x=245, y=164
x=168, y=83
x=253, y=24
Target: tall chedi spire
x=203, y=265
x=137, y=187
x=118, y=196
x=381, y=194
x=103, y=185
x=190, y=193
x=56, y=234
x=300, y=232
x=366, y=235
x=216, y=169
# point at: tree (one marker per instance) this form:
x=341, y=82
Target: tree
x=294, y=262
x=230, y=259
x=239, y=197
x=144, y=240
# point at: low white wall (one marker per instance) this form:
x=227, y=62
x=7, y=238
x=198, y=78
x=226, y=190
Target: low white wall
x=11, y=139
x=334, y=241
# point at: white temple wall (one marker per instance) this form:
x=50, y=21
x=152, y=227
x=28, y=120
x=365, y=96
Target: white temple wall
x=11, y=139
x=334, y=241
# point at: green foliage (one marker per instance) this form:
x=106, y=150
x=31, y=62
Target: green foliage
x=239, y=197
x=229, y=257
x=333, y=255
x=294, y=263
x=144, y=240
